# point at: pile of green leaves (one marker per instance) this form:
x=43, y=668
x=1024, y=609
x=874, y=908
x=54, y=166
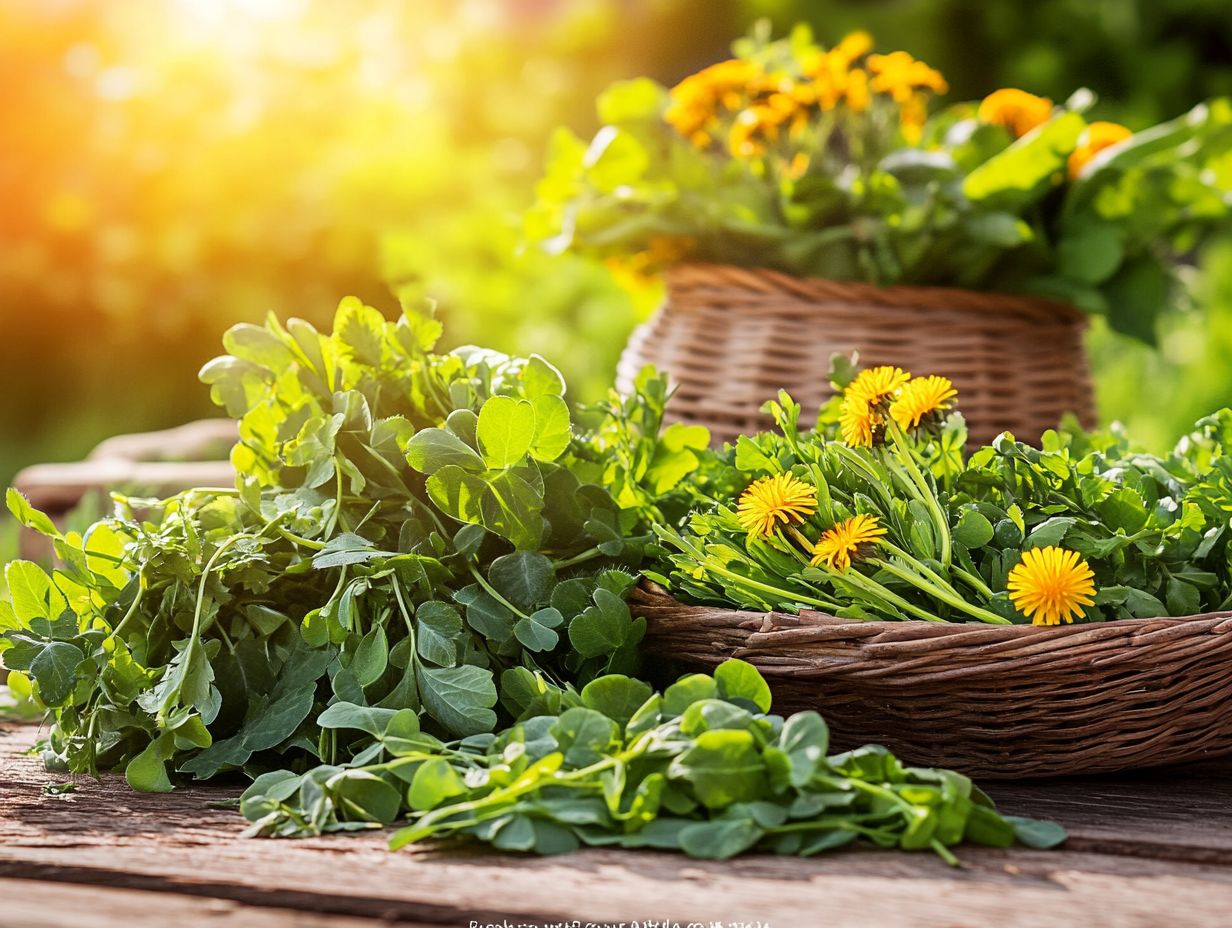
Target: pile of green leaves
x=1155, y=530
x=702, y=768
x=409, y=531
x=965, y=205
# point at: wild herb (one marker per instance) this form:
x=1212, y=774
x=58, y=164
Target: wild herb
x=421, y=549
x=880, y=514
x=702, y=768
x=407, y=532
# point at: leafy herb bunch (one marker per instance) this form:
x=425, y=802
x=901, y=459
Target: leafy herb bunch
x=409, y=531
x=701, y=768
x=826, y=162
x=880, y=514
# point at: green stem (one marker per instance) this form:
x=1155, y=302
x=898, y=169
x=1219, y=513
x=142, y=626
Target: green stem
x=871, y=586
x=785, y=595
x=300, y=540
x=899, y=441
x=975, y=581
x=945, y=594
x=132, y=608
x=587, y=555
x=492, y=591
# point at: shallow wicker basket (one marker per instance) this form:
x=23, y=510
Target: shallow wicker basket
x=731, y=337
x=998, y=702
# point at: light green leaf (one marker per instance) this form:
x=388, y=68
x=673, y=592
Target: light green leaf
x=431, y=450
x=32, y=593
x=506, y=430
x=739, y=679
x=540, y=378
x=434, y=782
x=553, y=430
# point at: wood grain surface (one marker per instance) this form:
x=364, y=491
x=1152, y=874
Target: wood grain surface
x=1146, y=850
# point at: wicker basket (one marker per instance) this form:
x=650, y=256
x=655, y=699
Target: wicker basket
x=993, y=701
x=730, y=338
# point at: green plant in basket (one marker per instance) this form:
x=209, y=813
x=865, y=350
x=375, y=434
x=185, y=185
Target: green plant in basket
x=833, y=163
x=879, y=514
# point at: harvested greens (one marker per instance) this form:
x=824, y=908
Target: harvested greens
x=701, y=768
x=893, y=520
x=412, y=605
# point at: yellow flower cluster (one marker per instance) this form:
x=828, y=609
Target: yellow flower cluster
x=786, y=500
x=757, y=107
x=696, y=100
x=907, y=82
x=881, y=391
x=836, y=80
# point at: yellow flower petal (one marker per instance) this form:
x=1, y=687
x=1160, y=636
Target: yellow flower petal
x=1051, y=585
x=838, y=545
x=921, y=398
x=782, y=498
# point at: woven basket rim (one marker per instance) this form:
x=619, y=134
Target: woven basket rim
x=651, y=594
x=700, y=276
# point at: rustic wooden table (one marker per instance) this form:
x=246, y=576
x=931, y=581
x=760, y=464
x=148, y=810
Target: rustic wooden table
x=1145, y=850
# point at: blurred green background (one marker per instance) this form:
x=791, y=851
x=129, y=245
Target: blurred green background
x=170, y=167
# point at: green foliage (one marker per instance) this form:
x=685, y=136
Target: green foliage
x=702, y=769
x=405, y=536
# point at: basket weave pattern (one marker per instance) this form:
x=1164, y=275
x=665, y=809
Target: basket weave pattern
x=997, y=702
x=731, y=337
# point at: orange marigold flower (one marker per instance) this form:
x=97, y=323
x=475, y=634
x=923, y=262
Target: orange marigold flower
x=696, y=100
x=900, y=76
x=1096, y=137
x=1016, y=110
x=852, y=46
x=847, y=540
x=1051, y=585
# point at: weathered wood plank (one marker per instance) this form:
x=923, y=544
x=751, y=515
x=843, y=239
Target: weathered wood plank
x=1180, y=813
x=37, y=904
x=106, y=836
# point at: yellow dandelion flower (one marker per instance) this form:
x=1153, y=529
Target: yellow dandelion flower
x=1051, y=585
x=920, y=398
x=1016, y=110
x=1097, y=137
x=848, y=539
x=876, y=383
x=782, y=498
x=860, y=422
